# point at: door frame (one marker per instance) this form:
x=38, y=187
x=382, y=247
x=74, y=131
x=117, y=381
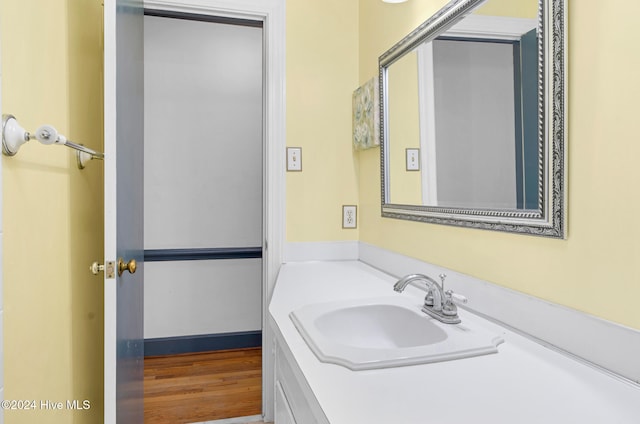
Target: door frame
x=272, y=15
x=1, y=272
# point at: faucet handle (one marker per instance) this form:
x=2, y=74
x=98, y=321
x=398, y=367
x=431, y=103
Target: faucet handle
x=428, y=300
x=458, y=298
x=449, y=307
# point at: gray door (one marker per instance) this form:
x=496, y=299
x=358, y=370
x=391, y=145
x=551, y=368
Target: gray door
x=123, y=178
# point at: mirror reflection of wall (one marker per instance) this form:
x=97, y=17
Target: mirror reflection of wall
x=474, y=117
x=509, y=8
x=404, y=108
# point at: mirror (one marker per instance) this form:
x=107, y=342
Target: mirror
x=472, y=118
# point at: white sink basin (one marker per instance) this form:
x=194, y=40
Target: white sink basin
x=386, y=332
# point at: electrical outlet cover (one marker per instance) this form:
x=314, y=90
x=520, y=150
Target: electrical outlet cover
x=349, y=216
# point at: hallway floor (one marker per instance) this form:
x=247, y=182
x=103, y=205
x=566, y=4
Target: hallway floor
x=203, y=387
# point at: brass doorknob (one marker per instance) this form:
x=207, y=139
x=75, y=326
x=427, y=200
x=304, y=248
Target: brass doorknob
x=130, y=266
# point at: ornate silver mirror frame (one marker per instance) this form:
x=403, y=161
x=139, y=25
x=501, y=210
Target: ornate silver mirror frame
x=549, y=219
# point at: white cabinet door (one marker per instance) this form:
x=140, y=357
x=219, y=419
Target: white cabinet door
x=283, y=410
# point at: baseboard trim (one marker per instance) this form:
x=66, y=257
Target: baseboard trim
x=321, y=251
x=202, y=343
x=237, y=420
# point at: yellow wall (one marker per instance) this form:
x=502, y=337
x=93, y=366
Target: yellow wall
x=51, y=69
x=596, y=269
x=510, y=8
x=322, y=73
x=53, y=214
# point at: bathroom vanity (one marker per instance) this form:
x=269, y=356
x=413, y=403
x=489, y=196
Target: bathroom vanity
x=523, y=382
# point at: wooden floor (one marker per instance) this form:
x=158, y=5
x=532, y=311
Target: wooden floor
x=203, y=386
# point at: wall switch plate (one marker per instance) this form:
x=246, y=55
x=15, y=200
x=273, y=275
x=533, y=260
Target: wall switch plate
x=349, y=216
x=413, y=159
x=294, y=159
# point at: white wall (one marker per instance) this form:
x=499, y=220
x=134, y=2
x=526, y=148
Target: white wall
x=476, y=161
x=203, y=174
x=202, y=297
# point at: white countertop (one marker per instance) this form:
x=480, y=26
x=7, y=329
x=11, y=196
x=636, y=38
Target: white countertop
x=523, y=383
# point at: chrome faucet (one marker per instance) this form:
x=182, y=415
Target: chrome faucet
x=438, y=304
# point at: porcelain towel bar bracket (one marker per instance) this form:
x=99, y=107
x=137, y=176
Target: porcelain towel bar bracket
x=14, y=136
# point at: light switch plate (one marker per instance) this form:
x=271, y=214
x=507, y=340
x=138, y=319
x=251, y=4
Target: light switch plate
x=413, y=159
x=349, y=216
x=294, y=159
